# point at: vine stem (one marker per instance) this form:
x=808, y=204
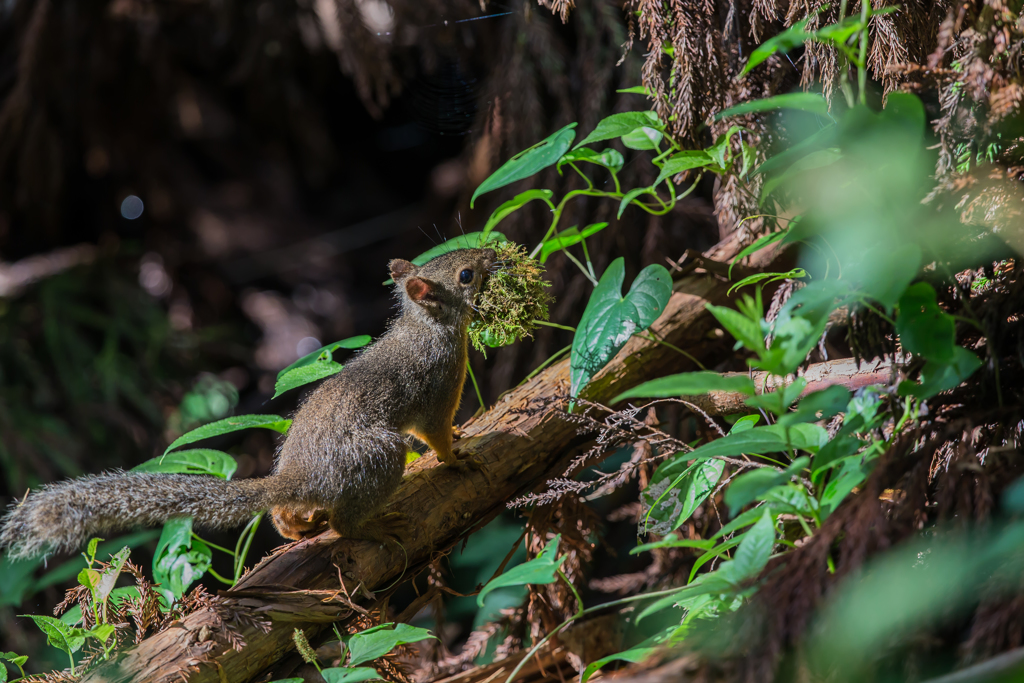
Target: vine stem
x=479, y=396
x=581, y=613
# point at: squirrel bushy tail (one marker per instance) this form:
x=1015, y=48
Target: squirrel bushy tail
x=62, y=516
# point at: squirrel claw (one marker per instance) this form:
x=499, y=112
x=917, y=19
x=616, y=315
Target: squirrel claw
x=457, y=432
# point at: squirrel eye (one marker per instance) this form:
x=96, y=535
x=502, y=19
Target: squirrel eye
x=466, y=276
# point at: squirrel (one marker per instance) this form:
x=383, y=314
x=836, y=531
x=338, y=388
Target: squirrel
x=344, y=453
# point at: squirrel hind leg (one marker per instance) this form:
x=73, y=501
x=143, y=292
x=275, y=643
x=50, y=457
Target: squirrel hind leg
x=297, y=523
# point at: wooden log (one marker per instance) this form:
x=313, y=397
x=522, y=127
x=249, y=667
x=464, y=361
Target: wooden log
x=519, y=444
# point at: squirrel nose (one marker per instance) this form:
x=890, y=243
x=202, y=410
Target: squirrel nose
x=490, y=254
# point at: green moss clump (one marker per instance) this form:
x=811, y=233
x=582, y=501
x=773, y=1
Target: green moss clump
x=513, y=298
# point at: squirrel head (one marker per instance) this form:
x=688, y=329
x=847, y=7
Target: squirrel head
x=444, y=288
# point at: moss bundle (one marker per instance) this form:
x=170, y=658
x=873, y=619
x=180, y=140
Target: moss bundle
x=513, y=299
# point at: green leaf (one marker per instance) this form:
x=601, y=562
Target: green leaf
x=766, y=439
x=378, y=641
x=811, y=162
x=90, y=549
x=743, y=519
x=191, y=461
x=513, y=205
x=610, y=319
x=344, y=674
x=471, y=240
x=618, y=125
x=671, y=501
x=683, y=161
x=231, y=424
x=100, y=632
x=720, y=152
x=767, y=278
x=819, y=405
x=310, y=358
x=180, y=559
x=58, y=634
x=803, y=101
x=688, y=384
x=631, y=195
x=635, y=90
x=923, y=327
x=853, y=473
x=609, y=158
x=529, y=161
x=778, y=401
x=109, y=577
x=744, y=423
x=90, y=578
x=792, y=37
x=747, y=331
x=637, y=653
x=672, y=542
x=758, y=244
x=753, y=553
x=307, y=374
x=540, y=570
x=568, y=238
x=643, y=138
x=749, y=485
x=705, y=584
x=68, y=570
x=939, y=377
x=824, y=138
x=885, y=272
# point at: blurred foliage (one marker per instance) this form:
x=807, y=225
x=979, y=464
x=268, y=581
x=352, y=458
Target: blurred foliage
x=89, y=365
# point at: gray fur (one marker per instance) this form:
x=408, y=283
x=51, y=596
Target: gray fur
x=344, y=453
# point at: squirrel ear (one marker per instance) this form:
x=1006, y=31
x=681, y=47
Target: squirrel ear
x=419, y=290
x=400, y=268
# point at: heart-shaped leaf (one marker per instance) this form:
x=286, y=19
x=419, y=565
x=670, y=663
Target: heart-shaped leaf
x=529, y=161
x=610, y=319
